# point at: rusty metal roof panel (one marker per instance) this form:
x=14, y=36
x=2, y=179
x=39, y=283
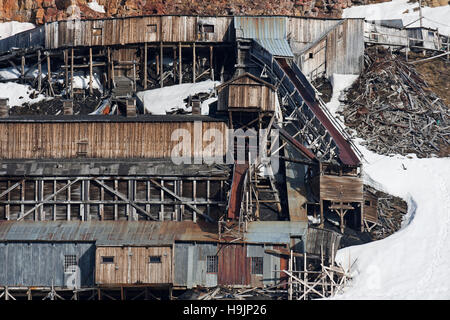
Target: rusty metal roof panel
x=269, y=32
x=108, y=233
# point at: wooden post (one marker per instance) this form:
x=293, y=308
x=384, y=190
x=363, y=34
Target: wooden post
x=109, y=66
x=174, y=64
x=161, y=61
x=49, y=75
x=71, y=75
x=116, y=207
x=180, y=65
x=22, y=70
x=145, y=65
x=22, y=198
x=69, y=198
x=39, y=71
x=91, y=73
x=211, y=63
x=101, y=208
x=194, y=64
x=194, y=197
x=66, y=69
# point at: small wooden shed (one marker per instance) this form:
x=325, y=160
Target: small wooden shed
x=246, y=93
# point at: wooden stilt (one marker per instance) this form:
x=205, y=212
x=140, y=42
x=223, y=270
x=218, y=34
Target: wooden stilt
x=211, y=63
x=145, y=65
x=71, y=74
x=161, y=61
x=39, y=71
x=194, y=63
x=91, y=73
x=180, y=65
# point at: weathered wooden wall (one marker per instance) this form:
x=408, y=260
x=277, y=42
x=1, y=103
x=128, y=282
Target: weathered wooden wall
x=302, y=32
x=246, y=93
x=133, y=30
x=35, y=140
x=370, y=207
x=341, y=188
x=131, y=266
x=339, y=50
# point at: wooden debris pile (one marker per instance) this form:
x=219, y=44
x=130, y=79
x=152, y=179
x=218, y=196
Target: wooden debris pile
x=391, y=211
x=394, y=111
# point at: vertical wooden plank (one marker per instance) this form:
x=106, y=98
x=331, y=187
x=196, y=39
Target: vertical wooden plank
x=91, y=73
x=180, y=65
x=69, y=199
x=39, y=71
x=145, y=65
x=71, y=74
x=194, y=62
x=161, y=52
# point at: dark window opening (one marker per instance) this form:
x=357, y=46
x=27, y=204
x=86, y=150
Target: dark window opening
x=207, y=28
x=311, y=55
x=257, y=265
x=152, y=28
x=97, y=32
x=367, y=203
x=70, y=263
x=155, y=259
x=107, y=259
x=212, y=264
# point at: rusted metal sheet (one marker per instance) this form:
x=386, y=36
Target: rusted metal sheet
x=269, y=32
x=346, y=154
x=341, y=188
x=234, y=266
x=109, y=233
x=236, y=193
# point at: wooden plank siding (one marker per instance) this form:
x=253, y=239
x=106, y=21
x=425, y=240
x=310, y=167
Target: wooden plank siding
x=246, y=93
x=131, y=266
x=134, y=30
x=341, y=188
x=37, y=140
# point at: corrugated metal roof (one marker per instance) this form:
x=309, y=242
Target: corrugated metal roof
x=109, y=233
x=269, y=32
x=274, y=231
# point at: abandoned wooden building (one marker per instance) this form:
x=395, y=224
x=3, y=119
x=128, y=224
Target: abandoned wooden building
x=116, y=200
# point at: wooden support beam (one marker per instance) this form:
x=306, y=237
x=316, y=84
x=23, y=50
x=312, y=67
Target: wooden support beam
x=161, y=61
x=91, y=73
x=123, y=197
x=145, y=66
x=48, y=198
x=194, y=62
x=71, y=74
x=211, y=62
x=49, y=76
x=178, y=198
x=39, y=71
x=180, y=65
x=66, y=69
x=11, y=188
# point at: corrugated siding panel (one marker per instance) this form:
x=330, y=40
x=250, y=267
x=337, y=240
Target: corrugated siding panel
x=234, y=266
x=269, y=32
x=42, y=264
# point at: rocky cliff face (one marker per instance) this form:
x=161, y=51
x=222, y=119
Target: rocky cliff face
x=41, y=11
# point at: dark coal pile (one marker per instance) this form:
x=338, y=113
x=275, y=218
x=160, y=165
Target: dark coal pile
x=83, y=104
x=394, y=110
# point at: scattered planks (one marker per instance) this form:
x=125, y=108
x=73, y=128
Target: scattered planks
x=392, y=108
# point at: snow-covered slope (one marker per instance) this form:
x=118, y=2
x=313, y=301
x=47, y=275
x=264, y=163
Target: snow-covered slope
x=19, y=94
x=414, y=262
x=436, y=18
x=9, y=29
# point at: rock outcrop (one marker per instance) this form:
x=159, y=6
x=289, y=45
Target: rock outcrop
x=41, y=11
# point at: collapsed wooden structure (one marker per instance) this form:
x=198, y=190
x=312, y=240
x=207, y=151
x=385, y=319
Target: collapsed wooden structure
x=242, y=222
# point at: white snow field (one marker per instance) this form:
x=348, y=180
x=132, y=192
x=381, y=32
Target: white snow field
x=435, y=18
x=161, y=100
x=414, y=262
x=8, y=29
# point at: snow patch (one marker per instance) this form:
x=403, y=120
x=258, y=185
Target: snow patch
x=435, y=18
x=96, y=7
x=11, y=28
x=19, y=94
x=413, y=262
x=162, y=100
